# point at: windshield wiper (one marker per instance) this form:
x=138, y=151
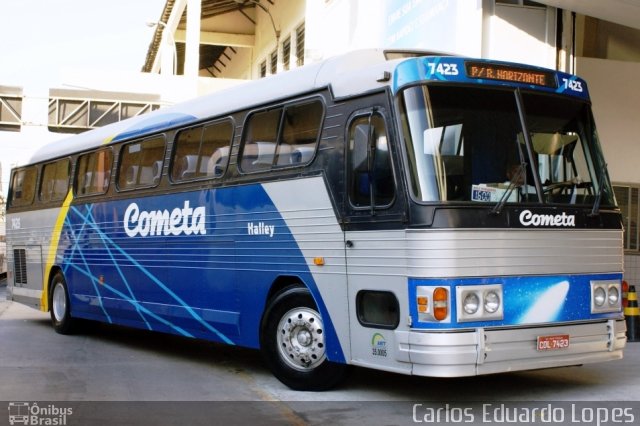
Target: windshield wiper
x=596, y=204
x=512, y=184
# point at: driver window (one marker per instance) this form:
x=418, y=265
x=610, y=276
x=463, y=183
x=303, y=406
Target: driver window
x=370, y=174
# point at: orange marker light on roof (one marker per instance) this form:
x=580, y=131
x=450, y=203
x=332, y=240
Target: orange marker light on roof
x=440, y=303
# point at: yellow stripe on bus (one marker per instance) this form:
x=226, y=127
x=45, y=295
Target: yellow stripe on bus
x=53, y=250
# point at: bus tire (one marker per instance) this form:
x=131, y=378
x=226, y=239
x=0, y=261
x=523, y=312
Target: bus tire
x=293, y=345
x=60, y=310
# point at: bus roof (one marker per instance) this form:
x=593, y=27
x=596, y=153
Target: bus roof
x=348, y=74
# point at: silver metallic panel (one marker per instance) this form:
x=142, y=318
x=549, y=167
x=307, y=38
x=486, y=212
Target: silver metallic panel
x=494, y=351
x=484, y=252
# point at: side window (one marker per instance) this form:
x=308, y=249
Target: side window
x=141, y=163
x=370, y=172
x=54, y=184
x=94, y=172
x=281, y=137
x=186, y=154
x=202, y=153
x=300, y=130
x=23, y=186
x=260, y=140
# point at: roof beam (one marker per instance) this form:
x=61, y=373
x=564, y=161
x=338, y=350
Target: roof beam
x=219, y=39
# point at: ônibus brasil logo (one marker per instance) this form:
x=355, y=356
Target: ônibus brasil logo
x=185, y=220
x=27, y=413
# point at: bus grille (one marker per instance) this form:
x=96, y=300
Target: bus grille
x=20, y=266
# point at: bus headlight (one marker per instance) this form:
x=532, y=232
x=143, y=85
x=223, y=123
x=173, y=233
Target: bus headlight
x=491, y=302
x=471, y=303
x=479, y=302
x=599, y=295
x=605, y=296
x=614, y=295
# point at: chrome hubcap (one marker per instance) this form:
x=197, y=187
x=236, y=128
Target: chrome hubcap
x=301, y=339
x=59, y=302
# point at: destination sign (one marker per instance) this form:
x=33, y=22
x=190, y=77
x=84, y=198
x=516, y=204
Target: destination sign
x=483, y=70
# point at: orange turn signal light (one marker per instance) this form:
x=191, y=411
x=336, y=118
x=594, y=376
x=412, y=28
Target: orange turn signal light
x=440, y=303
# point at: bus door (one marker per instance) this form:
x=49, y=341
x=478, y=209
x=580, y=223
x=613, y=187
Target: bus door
x=374, y=217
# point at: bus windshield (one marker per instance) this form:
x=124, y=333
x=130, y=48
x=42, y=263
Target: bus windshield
x=469, y=144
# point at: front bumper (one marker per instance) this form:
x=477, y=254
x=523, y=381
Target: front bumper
x=483, y=351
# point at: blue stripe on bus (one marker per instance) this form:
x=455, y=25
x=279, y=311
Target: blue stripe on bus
x=209, y=282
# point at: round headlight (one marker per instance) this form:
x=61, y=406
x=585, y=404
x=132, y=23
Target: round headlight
x=471, y=303
x=599, y=296
x=614, y=295
x=491, y=302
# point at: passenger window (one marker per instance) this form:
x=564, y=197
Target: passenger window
x=141, y=163
x=55, y=181
x=186, y=154
x=300, y=130
x=281, y=137
x=94, y=172
x=260, y=140
x=23, y=186
x=202, y=153
x=371, y=175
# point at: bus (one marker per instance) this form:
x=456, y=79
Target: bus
x=422, y=214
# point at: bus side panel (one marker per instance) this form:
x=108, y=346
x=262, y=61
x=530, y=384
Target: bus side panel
x=201, y=263
x=29, y=237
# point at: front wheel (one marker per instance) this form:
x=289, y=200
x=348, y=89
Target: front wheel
x=292, y=342
x=60, y=306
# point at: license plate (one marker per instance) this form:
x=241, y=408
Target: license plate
x=552, y=343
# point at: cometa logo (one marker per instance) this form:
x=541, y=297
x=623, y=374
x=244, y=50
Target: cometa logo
x=185, y=220
x=527, y=218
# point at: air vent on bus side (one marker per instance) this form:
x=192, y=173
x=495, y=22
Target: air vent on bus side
x=20, y=266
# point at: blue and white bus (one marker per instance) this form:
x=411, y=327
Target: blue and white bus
x=425, y=215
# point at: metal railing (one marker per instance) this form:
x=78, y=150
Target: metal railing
x=74, y=114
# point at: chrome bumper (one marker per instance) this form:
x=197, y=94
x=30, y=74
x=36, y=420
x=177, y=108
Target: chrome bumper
x=470, y=353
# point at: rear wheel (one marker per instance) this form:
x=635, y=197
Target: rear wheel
x=60, y=306
x=292, y=342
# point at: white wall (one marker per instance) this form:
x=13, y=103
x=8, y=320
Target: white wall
x=521, y=34
x=435, y=25
x=615, y=93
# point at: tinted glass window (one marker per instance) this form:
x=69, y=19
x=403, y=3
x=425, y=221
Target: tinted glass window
x=141, y=163
x=202, y=152
x=23, y=186
x=260, y=140
x=55, y=181
x=370, y=179
x=300, y=130
x=282, y=137
x=94, y=172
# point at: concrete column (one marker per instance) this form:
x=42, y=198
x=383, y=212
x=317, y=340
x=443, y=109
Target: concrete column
x=192, y=51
